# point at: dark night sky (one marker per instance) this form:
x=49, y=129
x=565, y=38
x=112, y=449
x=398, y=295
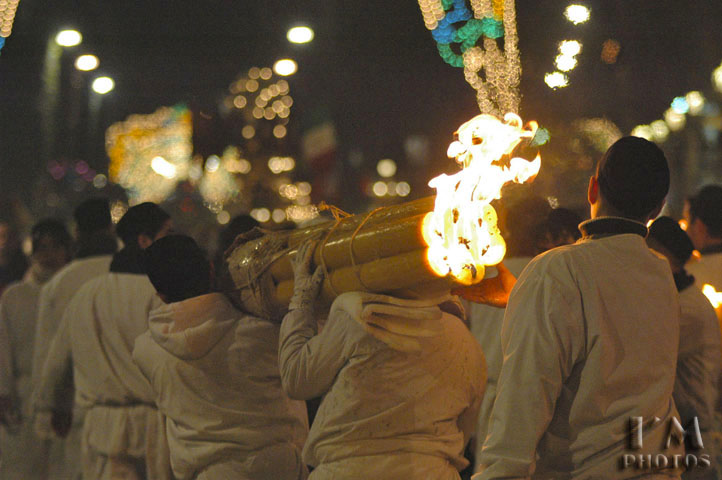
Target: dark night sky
x=373, y=65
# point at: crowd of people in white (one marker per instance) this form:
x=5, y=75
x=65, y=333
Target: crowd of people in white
x=131, y=363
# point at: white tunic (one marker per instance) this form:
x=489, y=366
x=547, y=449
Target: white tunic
x=215, y=374
x=698, y=365
x=96, y=335
x=485, y=324
x=707, y=269
x=590, y=339
x=22, y=453
x=386, y=414
x=55, y=296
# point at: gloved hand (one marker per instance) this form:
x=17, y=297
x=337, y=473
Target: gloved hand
x=306, y=286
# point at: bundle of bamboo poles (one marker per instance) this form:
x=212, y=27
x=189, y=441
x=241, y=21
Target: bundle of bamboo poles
x=383, y=251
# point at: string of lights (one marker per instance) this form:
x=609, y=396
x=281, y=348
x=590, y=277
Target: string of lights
x=492, y=71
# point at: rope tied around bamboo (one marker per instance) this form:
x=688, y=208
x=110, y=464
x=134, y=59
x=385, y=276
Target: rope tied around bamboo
x=381, y=251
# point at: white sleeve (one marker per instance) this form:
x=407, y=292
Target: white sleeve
x=54, y=390
x=44, y=330
x=7, y=382
x=309, y=362
x=542, y=339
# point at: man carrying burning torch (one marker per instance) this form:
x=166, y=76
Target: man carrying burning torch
x=590, y=339
x=403, y=381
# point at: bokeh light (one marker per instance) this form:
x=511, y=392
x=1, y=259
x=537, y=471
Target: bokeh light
x=300, y=34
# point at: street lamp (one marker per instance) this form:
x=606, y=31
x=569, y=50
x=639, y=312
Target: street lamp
x=285, y=67
x=103, y=85
x=300, y=34
x=86, y=63
x=68, y=38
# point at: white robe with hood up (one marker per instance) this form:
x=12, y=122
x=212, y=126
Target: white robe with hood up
x=215, y=374
x=388, y=413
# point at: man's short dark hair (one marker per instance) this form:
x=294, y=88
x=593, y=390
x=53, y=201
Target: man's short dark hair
x=707, y=207
x=668, y=233
x=92, y=215
x=146, y=218
x=53, y=229
x=633, y=177
x=178, y=268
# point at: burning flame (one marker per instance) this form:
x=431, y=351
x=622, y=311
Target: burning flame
x=462, y=232
x=714, y=297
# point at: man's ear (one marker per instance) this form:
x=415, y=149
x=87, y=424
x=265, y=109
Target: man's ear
x=655, y=213
x=144, y=241
x=593, y=190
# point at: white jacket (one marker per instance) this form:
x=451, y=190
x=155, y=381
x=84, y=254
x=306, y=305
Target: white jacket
x=386, y=414
x=96, y=336
x=214, y=372
x=590, y=339
x=485, y=324
x=18, y=311
x=55, y=296
x=698, y=364
x=707, y=269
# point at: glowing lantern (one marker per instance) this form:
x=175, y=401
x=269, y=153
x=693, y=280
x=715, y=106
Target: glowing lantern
x=461, y=232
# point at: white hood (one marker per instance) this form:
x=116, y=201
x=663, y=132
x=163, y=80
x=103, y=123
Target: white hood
x=191, y=328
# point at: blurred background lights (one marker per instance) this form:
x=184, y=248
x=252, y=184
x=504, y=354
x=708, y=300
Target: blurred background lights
x=643, y=131
x=279, y=131
x=248, y=132
x=577, y=14
x=717, y=78
x=8, y=8
x=570, y=47
x=278, y=215
x=565, y=63
x=610, y=51
x=403, y=189
x=660, y=130
x=285, y=67
x=675, y=120
x=68, y=38
x=695, y=100
x=86, y=63
x=261, y=214
x=100, y=181
x=223, y=217
x=556, y=80
x=300, y=34
x=380, y=189
x=386, y=168
x=680, y=105
x=163, y=167
x=213, y=163
x=103, y=85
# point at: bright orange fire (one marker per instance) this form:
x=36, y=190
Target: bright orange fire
x=462, y=232
x=714, y=297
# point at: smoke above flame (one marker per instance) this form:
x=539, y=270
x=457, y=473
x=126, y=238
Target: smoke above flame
x=462, y=232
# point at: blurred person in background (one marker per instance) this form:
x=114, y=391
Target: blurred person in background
x=561, y=228
x=13, y=263
x=123, y=435
x=94, y=247
x=703, y=214
x=214, y=370
x=22, y=454
x=698, y=362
